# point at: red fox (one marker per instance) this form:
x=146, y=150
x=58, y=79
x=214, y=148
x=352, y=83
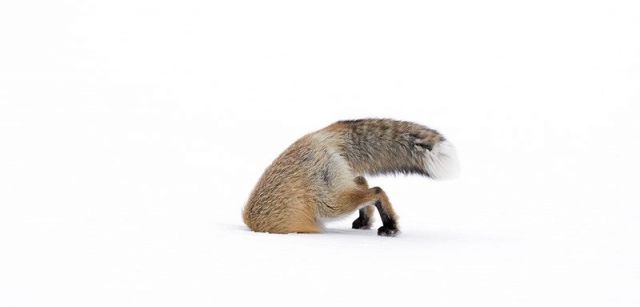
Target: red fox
x=321, y=175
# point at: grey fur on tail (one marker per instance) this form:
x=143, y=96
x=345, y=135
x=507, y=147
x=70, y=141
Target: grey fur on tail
x=386, y=146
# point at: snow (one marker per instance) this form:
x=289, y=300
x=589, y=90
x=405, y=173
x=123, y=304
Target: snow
x=132, y=132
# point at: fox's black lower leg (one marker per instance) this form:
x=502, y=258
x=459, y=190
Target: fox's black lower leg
x=376, y=195
x=364, y=219
x=366, y=213
x=388, y=217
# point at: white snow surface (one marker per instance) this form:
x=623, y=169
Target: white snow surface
x=132, y=132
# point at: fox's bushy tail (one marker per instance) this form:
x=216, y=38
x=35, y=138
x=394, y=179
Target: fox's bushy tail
x=383, y=146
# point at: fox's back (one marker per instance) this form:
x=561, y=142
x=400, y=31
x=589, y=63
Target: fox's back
x=306, y=175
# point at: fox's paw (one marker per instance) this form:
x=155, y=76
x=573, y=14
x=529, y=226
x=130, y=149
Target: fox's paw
x=361, y=223
x=388, y=231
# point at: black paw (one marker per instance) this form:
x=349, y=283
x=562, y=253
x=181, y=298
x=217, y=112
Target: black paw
x=361, y=223
x=388, y=231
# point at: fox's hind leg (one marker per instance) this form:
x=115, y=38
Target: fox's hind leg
x=388, y=216
x=365, y=217
x=354, y=198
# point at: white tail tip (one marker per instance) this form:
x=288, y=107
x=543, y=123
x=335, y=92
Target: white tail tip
x=442, y=161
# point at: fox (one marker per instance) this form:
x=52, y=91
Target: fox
x=321, y=176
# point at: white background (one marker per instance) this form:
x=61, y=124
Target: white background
x=132, y=132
